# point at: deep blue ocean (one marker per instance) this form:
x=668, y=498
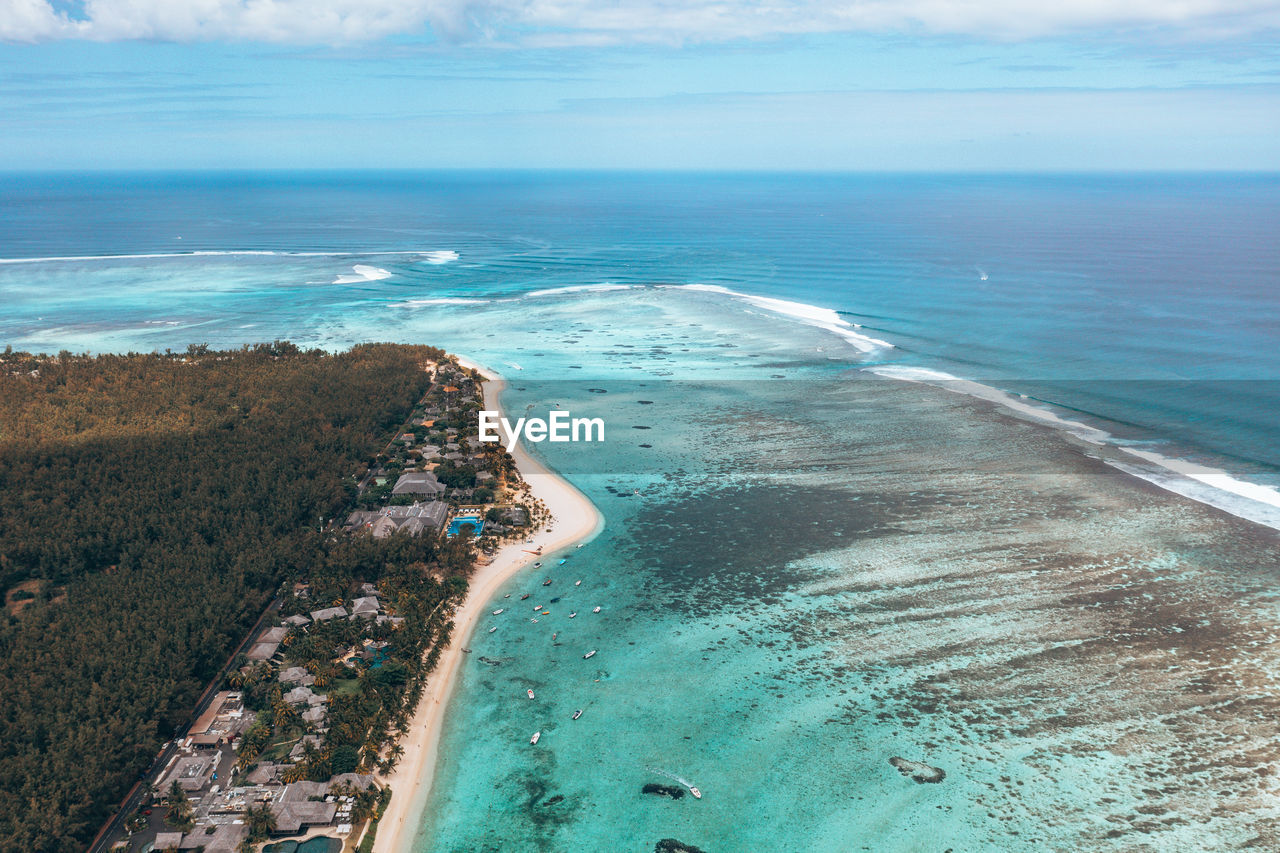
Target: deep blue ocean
x=867, y=491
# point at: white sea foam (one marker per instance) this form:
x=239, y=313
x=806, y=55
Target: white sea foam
x=810, y=315
x=362, y=272
x=969, y=388
x=442, y=256
x=1211, y=486
x=441, y=300
x=580, y=288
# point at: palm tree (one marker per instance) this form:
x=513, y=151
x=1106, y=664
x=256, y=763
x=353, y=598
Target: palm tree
x=179, y=814
x=248, y=756
x=261, y=821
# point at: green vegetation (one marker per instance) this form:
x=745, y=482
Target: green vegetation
x=179, y=813
x=165, y=498
x=366, y=844
x=370, y=701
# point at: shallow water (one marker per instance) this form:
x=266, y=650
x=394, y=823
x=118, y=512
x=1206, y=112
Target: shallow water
x=806, y=570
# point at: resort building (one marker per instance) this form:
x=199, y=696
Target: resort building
x=418, y=483
x=225, y=716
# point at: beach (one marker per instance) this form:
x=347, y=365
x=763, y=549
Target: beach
x=574, y=518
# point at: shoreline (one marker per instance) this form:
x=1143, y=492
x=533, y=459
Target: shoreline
x=574, y=518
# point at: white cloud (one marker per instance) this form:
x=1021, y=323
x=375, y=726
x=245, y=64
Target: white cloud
x=602, y=22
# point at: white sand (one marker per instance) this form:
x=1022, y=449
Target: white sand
x=574, y=518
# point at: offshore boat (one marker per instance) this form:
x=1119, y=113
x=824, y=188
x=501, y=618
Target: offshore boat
x=573, y=614
x=596, y=610
x=577, y=583
x=694, y=790
x=535, y=737
x=589, y=654
x=529, y=693
x=577, y=713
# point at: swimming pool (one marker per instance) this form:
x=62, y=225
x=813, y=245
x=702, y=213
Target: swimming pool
x=455, y=526
x=319, y=844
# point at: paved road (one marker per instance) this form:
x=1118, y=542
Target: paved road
x=113, y=830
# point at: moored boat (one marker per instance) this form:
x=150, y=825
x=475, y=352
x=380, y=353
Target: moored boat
x=573, y=614
x=577, y=583
x=494, y=628
x=535, y=737
x=589, y=654
x=496, y=612
x=547, y=582
x=530, y=693
x=526, y=595
x=596, y=610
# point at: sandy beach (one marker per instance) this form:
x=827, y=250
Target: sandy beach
x=574, y=518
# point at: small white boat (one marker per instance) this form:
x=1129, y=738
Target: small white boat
x=596, y=610
x=693, y=790
x=508, y=595
x=577, y=583
x=499, y=610
x=589, y=654
x=577, y=713
x=580, y=544
x=573, y=614
x=494, y=628
x=535, y=737
x=530, y=693
x=537, y=607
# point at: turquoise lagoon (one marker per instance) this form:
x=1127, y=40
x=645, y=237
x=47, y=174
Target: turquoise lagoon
x=807, y=568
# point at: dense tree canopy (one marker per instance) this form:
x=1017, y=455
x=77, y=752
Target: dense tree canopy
x=151, y=505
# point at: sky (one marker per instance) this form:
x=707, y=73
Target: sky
x=854, y=85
